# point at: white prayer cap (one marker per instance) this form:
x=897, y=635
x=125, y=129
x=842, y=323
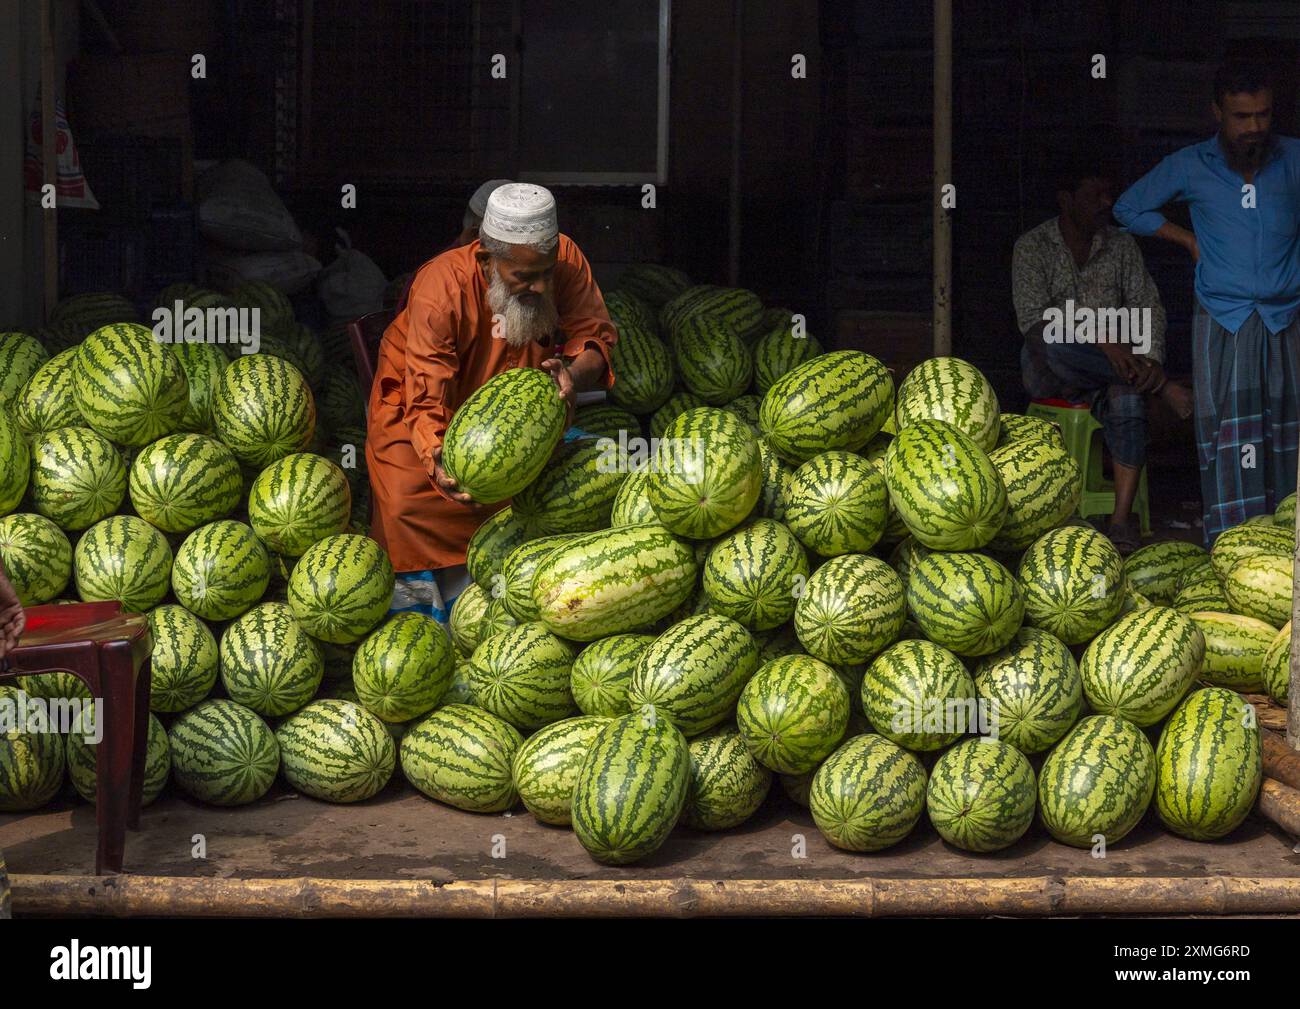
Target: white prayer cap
x=478, y=202
x=520, y=213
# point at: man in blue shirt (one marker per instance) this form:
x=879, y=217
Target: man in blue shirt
x=1243, y=189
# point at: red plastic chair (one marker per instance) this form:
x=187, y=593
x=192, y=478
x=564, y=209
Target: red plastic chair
x=366, y=333
x=108, y=650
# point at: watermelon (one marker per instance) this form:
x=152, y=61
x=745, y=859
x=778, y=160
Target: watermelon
x=341, y=588
x=268, y=663
x=919, y=695
x=546, y=767
x=37, y=557
x=793, y=713
x=626, y=309
x=1140, y=667
x=522, y=676
x=273, y=308
x=184, y=661
x=1208, y=765
x=868, y=794
x=402, y=669
x=462, y=755
x=221, y=570
x=93, y=309
x=600, y=674
x=341, y=402
x=1236, y=544
x=797, y=787
x=1097, y=783
x=575, y=493
x=336, y=751
x=981, y=795
x=83, y=759
x=78, y=477
x=746, y=408
x=466, y=620
x=306, y=346
x=203, y=365
x=517, y=575
x=966, y=602
x=491, y=543
x=1031, y=689
x=497, y=620
x=129, y=387
x=1017, y=427
x=736, y=309
x=834, y=401
x=501, y=438
x=1276, y=666
x=1134, y=601
x=694, y=672
x=124, y=559
x=653, y=283
x=1154, y=569
x=905, y=554
x=895, y=530
x=851, y=608
x=1204, y=594
x=951, y=390
x=713, y=362
x=631, y=788
x=46, y=402
x=1043, y=485
x=1073, y=580
x=602, y=420
x=780, y=350
x=21, y=357
x=297, y=501
x=460, y=691
x=706, y=476
x=1234, y=650
x=263, y=410
x=632, y=503
x=1260, y=587
x=53, y=686
x=673, y=407
x=1285, y=513
x=777, y=642
x=223, y=754
x=836, y=503
x=727, y=784
x=183, y=481
x=31, y=763
x=775, y=489
x=752, y=575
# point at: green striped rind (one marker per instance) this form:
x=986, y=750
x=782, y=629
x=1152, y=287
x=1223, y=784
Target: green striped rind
x=905, y=554
x=306, y=346
x=31, y=763
x=1208, y=765
x=461, y=691
x=631, y=788
x=727, y=783
x=183, y=481
x=128, y=386
x=1043, y=486
x=626, y=309
x=1284, y=515
x=1154, y=570
x=221, y=569
x=402, y=670
x=781, y=350
x=712, y=360
x=94, y=309
x=653, y=283
x=601, y=420
x=982, y=795
x=78, y=477
x=601, y=673
x=895, y=528
x=184, y=661
x=60, y=336
x=797, y=787
x=733, y=307
x=1140, y=667
x=297, y=501
x=274, y=309
x=203, y=365
x=575, y=493
x=55, y=685
x=466, y=620
x=868, y=795
x=491, y=543
x=752, y=575
x=546, y=767
x=1260, y=587
x=1236, y=544
x=263, y=409
x=268, y=662
x=1276, y=666
x=966, y=602
x=123, y=558
x=462, y=755
x=777, y=642
x=502, y=436
x=223, y=753
x=336, y=751
x=851, y=607
x=1134, y=601
x=83, y=760
x=746, y=408
x=1031, y=689
x=1073, y=579
x=1098, y=781
x=1017, y=427
x=36, y=555
x=694, y=672
x=341, y=587
x=774, y=491
x=46, y=402
x=21, y=357
x=836, y=400
x=497, y=620
x=613, y=581
x=951, y=390
x=517, y=574
x=1203, y=593
x=341, y=402
x=947, y=491
x=522, y=675
x=706, y=474
x=793, y=713
x=1234, y=650
x=837, y=503
x=919, y=695
x=675, y=405
x=632, y=502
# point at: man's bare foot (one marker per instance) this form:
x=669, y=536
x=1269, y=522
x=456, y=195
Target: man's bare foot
x=1179, y=398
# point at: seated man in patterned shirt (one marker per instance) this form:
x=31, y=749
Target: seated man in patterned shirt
x=1094, y=327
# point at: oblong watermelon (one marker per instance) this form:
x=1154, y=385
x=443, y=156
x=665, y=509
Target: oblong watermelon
x=336, y=751
x=1140, y=667
x=1097, y=783
x=834, y=401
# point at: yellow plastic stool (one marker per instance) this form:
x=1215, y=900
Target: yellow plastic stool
x=1083, y=441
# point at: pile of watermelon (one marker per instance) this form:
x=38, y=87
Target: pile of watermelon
x=766, y=563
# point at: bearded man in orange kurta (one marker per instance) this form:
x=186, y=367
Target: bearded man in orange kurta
x=520, y=296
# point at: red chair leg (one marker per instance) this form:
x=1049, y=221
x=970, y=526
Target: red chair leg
x=113, y=760
x=140, y=749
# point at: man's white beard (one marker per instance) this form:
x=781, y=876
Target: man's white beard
x=523, y=323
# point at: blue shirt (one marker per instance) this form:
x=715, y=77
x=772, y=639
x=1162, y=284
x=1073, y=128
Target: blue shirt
x=1250, y=257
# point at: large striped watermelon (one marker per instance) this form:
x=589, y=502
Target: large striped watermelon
x=1031, y=689
x=1275, y=669
x=183, y=481
x=184, y=661
x=752, y=575
x=602, y=420
x=31, y=763
x=711, y=359
x=1260, y=587
x=123, y=558
x=1154, y=570
x=402, y=670
x=626, y=309
x=1043, y=485
x=774, y=492
x=1017, y=427
x=631, y=788
x=223, y=753
x=1097, y=782
x=546, y=767
x=1140, y=667
x=501, y=437
x=868, y=794
x=517, y=574
x=21, y=357
x=497, y=619
x=46, y=402
x=781, y=349
x=341, y=587
x=727, y=783
x=1284, y=514
x=83, y=759
x=268, y=662
x=1234, y=650
x=653, y=283
x=462, y=755
x=951, y=390
x=522, y=675
x=793, y=713
x=36, y=556
x=982, y=795
x=706, y=476
x=204, y=365
x=274, y=310
x=851, y=607
x=733, y=307
x=466, y=620
x=837, y=400
x=1208, y=765
x=746, y=408
x=221, y=569
x=129, y=387
x=1199, y=588
x=602, y=671
x=836, y=503
x=632, y=502
x=78, y=477
x=341, y=403
x=895, y=528
x=1236, y=544
x=674, y=406
x=574, y=494
x=492, y=541
x=1073, y=578
x=93, y=309
x=15, y=463
x=263, y=410
x=336, y=751
x=966, y=602
x=919, y=695
x=297, y=501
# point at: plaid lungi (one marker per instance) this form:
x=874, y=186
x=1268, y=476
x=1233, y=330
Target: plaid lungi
x=1247, y=398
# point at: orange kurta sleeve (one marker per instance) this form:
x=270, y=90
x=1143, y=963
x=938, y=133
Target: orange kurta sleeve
x=583, y=317
x=432, y=365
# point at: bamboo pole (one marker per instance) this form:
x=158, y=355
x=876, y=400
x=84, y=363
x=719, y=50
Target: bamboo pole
x=942, y=222
x=1281, y=804
x=49, y=161
x=1281, y=763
